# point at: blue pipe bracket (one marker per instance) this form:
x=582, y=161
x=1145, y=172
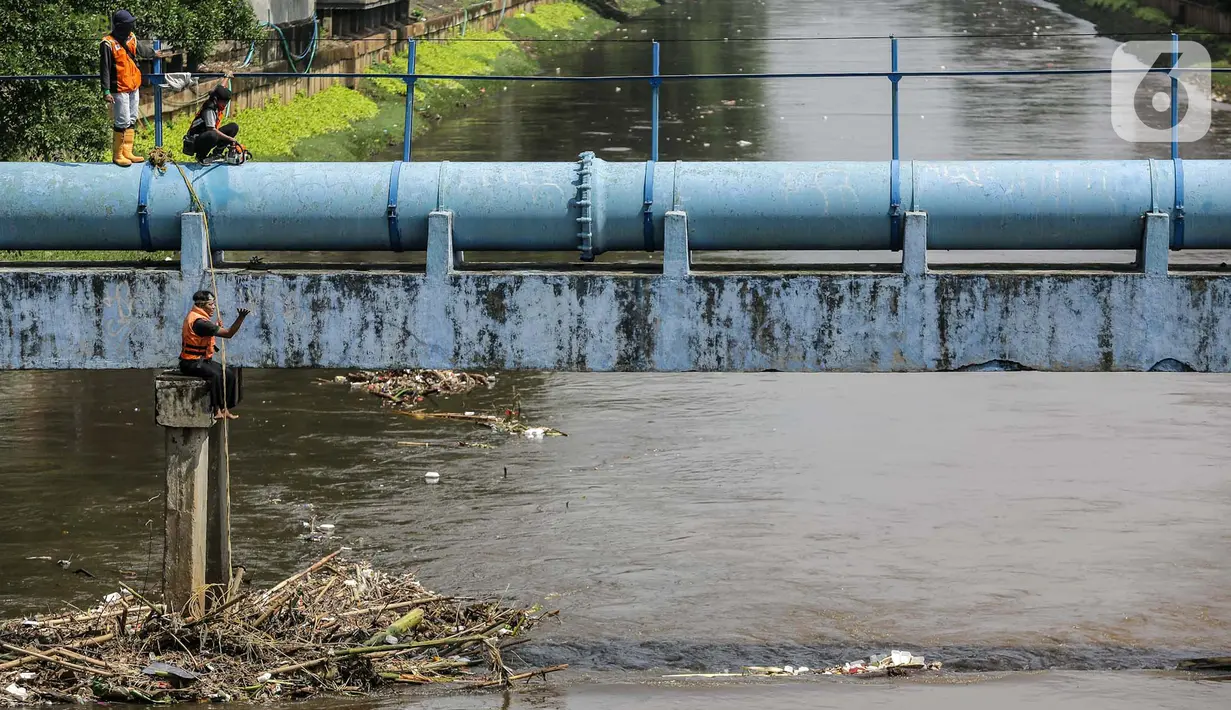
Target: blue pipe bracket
x=594, y=206
x=391, y=213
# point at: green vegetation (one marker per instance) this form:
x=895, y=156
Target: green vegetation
x=480, y=53
x=271, y=132
x=1124, y=17
x=143, y=257
x=68, y=120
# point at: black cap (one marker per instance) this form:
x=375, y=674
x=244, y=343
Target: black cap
x=221, y=93
x=123, y=17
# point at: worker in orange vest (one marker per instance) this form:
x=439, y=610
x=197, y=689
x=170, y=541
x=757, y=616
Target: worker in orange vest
x=197, y=339
x=118, y=53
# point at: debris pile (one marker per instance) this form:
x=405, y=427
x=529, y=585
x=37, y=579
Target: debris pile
x=335, y=627
x=511, y=422
x=407, y=387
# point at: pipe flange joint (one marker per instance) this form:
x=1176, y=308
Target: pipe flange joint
x=586, y=200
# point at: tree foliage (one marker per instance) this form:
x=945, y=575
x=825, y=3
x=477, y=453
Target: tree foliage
x=68, y=120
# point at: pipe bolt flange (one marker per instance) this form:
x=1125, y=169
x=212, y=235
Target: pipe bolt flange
x=585, y=205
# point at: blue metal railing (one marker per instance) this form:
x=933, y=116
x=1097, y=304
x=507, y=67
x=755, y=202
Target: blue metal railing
x=655, y=79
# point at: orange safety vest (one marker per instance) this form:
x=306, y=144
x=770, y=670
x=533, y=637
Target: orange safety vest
x=195, y=347
x=127, y=75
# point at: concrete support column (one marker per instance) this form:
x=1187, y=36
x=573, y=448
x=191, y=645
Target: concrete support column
x=218, y=562
x=440, y=256
x=194, y=247
x=677, y=258
x=1153, y=255
x=181, y=406
x=915, y=244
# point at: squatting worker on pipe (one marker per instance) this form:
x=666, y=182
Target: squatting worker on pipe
x=117, y=55
x=201, y=327
x=206, y=136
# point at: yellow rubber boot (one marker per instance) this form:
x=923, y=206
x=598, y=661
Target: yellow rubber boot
x=117, y=150
x=129, y=136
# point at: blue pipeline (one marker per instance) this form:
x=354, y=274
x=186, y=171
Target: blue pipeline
x=558, y=206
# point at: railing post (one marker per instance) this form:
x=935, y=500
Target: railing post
x=410, y=100
x=1175, y=95
x=1177, y=231
x=157, y=80
x=894, y=78
x=896, y=236
x=655, y=83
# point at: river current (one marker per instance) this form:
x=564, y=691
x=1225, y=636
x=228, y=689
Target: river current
x=1069, y=524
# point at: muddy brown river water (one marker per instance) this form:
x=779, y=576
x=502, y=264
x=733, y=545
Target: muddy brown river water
x=1074, y=525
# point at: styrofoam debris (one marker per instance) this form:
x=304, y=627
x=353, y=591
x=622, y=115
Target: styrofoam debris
x=326, y=526
x=17, y=691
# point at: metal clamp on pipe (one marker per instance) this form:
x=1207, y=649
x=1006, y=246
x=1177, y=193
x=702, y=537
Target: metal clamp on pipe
x=1177, y=234
x=391, y=212
x=895, y=205
x=143, y=208
x=647, y=208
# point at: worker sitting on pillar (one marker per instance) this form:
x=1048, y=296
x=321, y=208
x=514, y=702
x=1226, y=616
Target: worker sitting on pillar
x=207, y=139
x=200, y=329
x=121, y=79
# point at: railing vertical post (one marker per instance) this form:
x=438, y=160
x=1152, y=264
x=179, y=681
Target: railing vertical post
x=1175, y=96
x=157, y=94
x=1177, y=220
x=896, y=229
x=894, y=78
x=655, y=83
x=410, y=100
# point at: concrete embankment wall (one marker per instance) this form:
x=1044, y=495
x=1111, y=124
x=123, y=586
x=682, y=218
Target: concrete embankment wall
x=128, y=318
x=343, y=56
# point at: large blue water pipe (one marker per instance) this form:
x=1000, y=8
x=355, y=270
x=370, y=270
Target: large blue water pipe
x=536, y=206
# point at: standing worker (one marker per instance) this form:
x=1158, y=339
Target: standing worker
x=117, y=55
x=200, y=329
x=206, y=136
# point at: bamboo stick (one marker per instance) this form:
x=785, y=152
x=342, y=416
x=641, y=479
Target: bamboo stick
x=50, y=659
x=295, y=577
x=520, y=676
x=393, y=607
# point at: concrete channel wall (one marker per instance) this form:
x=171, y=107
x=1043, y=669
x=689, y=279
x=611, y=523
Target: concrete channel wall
x=97, y=318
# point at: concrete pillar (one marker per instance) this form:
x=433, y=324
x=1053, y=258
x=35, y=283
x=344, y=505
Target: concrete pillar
x=1153, y=255
x=194, y=247
x=915, y=244
x=181, y=406
x=218, y=549
x=677, y=257
x=440, y=257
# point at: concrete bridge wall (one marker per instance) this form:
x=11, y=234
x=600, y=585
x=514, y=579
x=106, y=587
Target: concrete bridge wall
x=595, y=321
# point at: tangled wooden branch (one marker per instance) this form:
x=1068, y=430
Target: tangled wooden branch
x=336, y=627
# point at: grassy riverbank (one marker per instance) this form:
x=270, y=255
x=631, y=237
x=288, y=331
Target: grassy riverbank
x=504, y=51
x=1129, y=19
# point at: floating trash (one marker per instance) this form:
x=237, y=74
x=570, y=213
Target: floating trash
x=431, y=477
x=894, y=663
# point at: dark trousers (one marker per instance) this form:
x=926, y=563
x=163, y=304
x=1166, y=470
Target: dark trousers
x=206, y=142
x=211, y=372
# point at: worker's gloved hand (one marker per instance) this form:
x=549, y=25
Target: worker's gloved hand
x=244, y=312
